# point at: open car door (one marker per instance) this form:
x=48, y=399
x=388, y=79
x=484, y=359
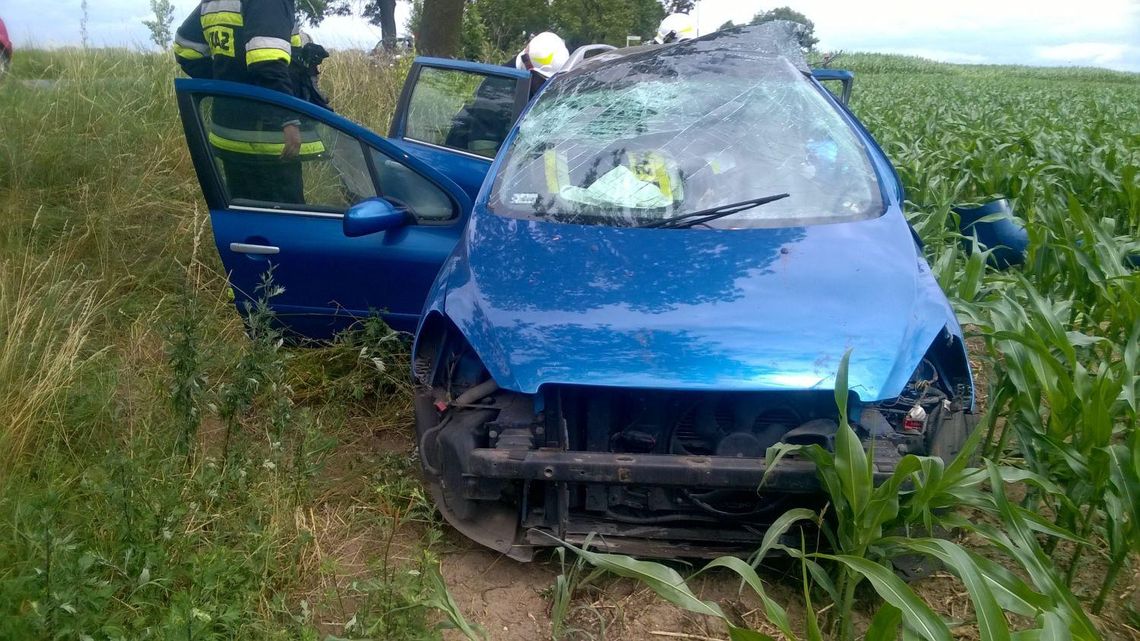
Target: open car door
x=846, y=80
x=454, y=115
x=284, y=218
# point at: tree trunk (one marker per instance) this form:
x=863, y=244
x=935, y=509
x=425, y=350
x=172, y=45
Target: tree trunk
x=440, y=28
x=387, y=10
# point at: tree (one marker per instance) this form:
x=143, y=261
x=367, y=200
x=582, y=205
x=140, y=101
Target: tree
x=160, y=33
x=476, y=44
x=83, y=16
x=314, y=11
x=727, y=25
x=582, y=22
x=679, y=6
x=510, y=22
x=383, y=14
x=807, y=34
x=441, y=28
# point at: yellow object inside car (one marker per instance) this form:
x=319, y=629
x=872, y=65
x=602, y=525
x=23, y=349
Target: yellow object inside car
x=645, y=180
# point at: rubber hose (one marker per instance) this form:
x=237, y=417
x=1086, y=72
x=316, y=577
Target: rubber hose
x=431, y=469
x=477, y=393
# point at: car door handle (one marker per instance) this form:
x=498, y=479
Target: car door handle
x=246, y=248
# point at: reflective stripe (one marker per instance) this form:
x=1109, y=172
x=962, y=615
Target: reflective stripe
x=542, y=60
x=215, y=6
x=186, y=53
x=263, y=148
x=266, y=42
x=266, y=55
x=229, y=133
x=225, y=18
x=295, y=40
x=557, y=173
x=187, y=43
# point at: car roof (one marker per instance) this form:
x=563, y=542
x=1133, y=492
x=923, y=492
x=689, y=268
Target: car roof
x=771, y=40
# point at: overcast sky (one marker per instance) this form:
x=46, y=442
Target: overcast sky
x=1103, y=33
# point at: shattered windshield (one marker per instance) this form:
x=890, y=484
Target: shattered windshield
x=657, y=134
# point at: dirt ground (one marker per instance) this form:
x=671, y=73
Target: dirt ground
x=512, y=600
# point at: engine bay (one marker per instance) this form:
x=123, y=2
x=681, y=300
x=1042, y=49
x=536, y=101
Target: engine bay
x=648, y=472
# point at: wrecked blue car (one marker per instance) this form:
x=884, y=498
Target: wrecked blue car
x=670, y=253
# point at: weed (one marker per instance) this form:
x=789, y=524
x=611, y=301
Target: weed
x=107, y=532
x=862, y=548
x=569, y=583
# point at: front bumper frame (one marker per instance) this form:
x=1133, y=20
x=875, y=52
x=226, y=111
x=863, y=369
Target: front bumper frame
x=668, y=470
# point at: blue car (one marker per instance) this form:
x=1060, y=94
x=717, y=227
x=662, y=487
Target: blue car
x=623, y=296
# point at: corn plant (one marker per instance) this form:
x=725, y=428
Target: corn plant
x=869, y=526
x=1062, y=334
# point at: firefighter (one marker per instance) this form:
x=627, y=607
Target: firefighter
x=305, y=68
x=250, y=41
x=543, y=56
x=676, y=27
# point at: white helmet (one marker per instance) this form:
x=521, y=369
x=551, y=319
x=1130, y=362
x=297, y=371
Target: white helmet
x=676, y=26
x=545, y=53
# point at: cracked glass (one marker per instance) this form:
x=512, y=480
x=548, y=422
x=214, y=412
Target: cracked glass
x=639, y=135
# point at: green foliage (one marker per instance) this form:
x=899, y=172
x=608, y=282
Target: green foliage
x=314, y=11
x=857, y=525
x=126, y=351
x=509, y=23
x=582, y=22
x=495, y=30
x=569, y=584
x=1060, y=335
x=120, y=516
x=679, y=6
x=806, y=34
x=160, y=25
x=476, y=42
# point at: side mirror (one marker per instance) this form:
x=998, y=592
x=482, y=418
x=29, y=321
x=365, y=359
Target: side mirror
x=996, y=228
x=371, y=216
x=842, y=76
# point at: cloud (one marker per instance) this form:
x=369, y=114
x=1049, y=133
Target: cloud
x=1100, y=54
x=966, y=31
x=1042, y=32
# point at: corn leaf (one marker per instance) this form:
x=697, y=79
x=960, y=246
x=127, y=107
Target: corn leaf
x=1021, y=542
x=778, y=528
x=772, y=610
x=662, y=579
x=917, y=615
x=885, y=625
x=992, y=625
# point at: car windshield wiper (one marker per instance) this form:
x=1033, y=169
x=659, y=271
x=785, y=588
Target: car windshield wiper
x=712, y=213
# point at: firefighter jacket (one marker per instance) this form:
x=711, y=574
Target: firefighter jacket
x=247, y=41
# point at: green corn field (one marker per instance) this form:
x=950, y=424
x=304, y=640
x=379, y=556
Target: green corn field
x=167, y=477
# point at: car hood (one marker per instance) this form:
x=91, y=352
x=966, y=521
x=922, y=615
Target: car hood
x=695, y=309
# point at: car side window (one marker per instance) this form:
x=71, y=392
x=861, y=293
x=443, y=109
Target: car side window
x=328, y=173
x=400, y=185
x=461, y=110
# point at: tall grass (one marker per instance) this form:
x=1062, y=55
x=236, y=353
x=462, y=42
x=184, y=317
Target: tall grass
x=123, y=368
x=47, y=310
x=121, y=517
